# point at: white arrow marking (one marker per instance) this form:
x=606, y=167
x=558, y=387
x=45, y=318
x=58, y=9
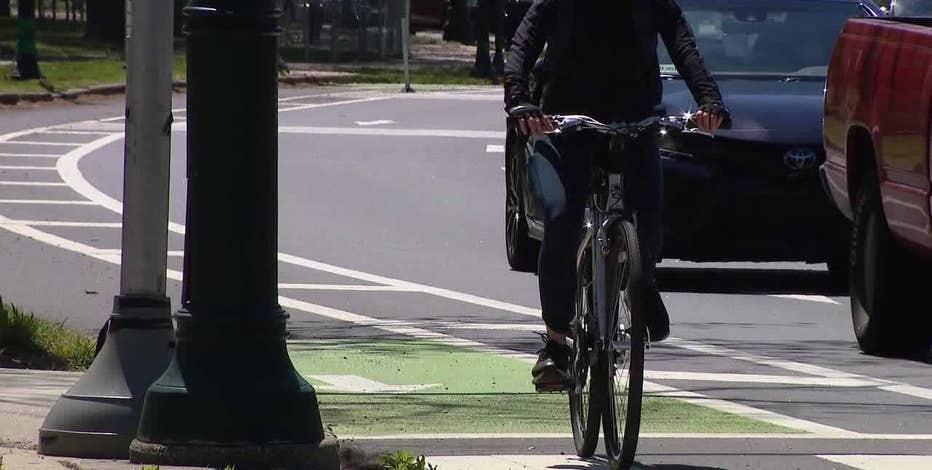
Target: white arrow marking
x=379, y=122
x=355, y=383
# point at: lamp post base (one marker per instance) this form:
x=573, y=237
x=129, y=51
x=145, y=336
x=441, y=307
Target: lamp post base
x=320, y=456
x=98, y=416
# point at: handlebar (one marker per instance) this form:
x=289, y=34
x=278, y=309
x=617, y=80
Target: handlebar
x=575, y=123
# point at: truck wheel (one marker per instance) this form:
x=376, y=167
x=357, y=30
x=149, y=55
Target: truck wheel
x=521, y=250
x=881, y=298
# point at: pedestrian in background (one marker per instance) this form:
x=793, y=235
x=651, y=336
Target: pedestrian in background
x=489, y=17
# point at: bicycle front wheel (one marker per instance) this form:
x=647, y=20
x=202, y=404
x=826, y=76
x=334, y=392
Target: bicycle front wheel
x=584, y=410
x=621, y=362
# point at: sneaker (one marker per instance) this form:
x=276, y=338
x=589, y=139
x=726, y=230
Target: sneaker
x=551, y=372
x=657, y=319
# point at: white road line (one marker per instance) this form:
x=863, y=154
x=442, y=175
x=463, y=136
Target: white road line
x=335, y=103
x=791, y=366
x=30, y=183
x=21, y=167
x=379, y=132
x=809, y=298
x=72, y=132
x=53, y=202
x=376, y=279
x=453, y=133
x=50, y=144
x=68, y=168
x=649, y=435
x=758, y=379
x=60, y=223
x=57, y=241
x=378, y=122
x=452, y=96
x=71, y=174
x=118, y=252
x=879, y=462
x=394, y=327
x=490, y=326
x=494, y=148
x=28, y=155
x=910, y=390
x=342, y=287
x=800, y=367
x=514, y=462
x=105, y=126
x=747, y=411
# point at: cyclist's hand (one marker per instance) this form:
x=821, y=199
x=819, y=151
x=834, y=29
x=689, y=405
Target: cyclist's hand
x=531, y=120
x=536, y=126
x=708, y=121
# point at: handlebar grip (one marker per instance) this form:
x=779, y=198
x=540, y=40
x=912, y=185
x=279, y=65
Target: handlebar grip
x=524, y=110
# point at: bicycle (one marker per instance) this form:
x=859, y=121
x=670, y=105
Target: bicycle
x=607, y=335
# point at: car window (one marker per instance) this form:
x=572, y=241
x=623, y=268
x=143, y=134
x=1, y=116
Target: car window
x=913, y=8
x=785, y=37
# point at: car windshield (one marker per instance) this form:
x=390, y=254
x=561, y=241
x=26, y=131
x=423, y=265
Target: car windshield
x=790, y=38
x=913, y=8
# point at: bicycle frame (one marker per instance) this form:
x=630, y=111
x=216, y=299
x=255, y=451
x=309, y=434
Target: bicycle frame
x=598, y=239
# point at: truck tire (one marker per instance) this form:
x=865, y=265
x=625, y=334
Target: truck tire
x=882, y=295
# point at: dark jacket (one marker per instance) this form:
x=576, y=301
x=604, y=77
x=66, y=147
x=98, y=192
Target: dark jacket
x=573, y=78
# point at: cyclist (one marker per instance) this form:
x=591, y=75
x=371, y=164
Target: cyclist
x=601, y=61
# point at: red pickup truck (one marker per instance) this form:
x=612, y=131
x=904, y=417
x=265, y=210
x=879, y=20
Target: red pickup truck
x=878, y=116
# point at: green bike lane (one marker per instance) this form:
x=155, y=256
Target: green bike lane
x=396, y=386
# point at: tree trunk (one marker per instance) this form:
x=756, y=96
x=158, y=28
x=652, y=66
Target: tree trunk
x=106, y=20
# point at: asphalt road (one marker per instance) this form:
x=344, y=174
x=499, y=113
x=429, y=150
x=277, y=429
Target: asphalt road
x=391, y=210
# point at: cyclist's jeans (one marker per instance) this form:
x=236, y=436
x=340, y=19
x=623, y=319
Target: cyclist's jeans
x=560, y=184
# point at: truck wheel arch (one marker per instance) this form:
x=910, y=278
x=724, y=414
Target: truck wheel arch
x=860, y=156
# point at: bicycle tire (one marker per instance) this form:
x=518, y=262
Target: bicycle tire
x=585, y=414
x=622, y=394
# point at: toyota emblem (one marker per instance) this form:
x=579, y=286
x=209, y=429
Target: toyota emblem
x=798, y=159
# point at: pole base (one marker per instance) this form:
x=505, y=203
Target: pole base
x=229, y=397
x=322, y=456
x=27, y=68
x=98, y=417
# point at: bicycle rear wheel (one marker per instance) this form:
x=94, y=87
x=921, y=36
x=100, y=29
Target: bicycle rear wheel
x=621, y=363
x=585, y=414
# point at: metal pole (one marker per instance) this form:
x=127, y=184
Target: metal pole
x=405, y=40
x=99, y=416
x=27, y=66
x=231, y=395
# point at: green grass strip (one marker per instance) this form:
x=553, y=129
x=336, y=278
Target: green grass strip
x=30, y=341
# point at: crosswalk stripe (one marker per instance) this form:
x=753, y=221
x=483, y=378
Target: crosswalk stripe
x=882, y=462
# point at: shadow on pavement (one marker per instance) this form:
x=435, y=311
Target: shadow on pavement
x=748, y=281
x=638, y=466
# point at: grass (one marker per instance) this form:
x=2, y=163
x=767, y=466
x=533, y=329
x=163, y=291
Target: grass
x=63, y=76
x=37, y=343
x=57, y=40
x=402, y=460
x=67, y=61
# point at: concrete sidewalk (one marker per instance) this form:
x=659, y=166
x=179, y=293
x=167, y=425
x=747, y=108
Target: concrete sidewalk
x=26, y=396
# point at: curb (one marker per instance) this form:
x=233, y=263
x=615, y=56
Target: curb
x=12, y=99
